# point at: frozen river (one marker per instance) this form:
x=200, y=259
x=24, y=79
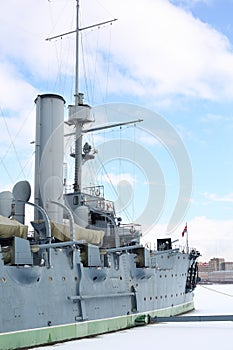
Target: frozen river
x=209, y=300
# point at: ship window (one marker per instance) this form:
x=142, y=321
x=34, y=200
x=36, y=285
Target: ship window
x=75, y=200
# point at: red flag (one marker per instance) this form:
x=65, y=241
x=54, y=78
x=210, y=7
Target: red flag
x=184, y=230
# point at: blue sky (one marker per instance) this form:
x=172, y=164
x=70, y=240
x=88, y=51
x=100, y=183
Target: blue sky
x=174, y=58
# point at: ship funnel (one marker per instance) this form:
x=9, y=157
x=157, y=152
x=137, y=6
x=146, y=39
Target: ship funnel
x=49, y=154
x=21, y=192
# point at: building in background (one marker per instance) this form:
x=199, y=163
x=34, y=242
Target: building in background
x=217, y=270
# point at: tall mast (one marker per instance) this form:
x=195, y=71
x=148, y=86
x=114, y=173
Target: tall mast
x=77, y=55
x=79, y=113
x=78, y=127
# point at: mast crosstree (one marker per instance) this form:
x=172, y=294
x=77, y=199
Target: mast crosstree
x=79, y=113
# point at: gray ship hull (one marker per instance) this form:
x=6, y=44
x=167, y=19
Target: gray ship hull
x=79, y=296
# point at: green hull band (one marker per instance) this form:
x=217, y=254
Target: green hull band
x=54, y=334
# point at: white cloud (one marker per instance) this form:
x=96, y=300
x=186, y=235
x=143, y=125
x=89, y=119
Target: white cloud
x=156, y=50
x=228, y=198
x=15, y=92
x=162, y=49
x=213, y=238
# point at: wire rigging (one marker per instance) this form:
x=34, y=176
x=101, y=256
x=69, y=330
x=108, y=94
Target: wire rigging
x=63, y=52
x=217, y=291
x=12, y=144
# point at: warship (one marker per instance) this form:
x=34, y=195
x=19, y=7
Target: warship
x=82, y=272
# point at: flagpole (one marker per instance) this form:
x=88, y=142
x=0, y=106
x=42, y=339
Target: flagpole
x=185, y=231
x=187, y=240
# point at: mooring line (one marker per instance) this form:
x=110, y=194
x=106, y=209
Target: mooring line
x=216, y=291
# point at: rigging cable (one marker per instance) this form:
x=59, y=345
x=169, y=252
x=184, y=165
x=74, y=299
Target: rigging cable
x=89, y=91
x=90, y=84
x=216, y=291
x=60, y=50
x=134, y=170
x=122, y=170
x=108, y=66
x=12, y=144
x=126, y=211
